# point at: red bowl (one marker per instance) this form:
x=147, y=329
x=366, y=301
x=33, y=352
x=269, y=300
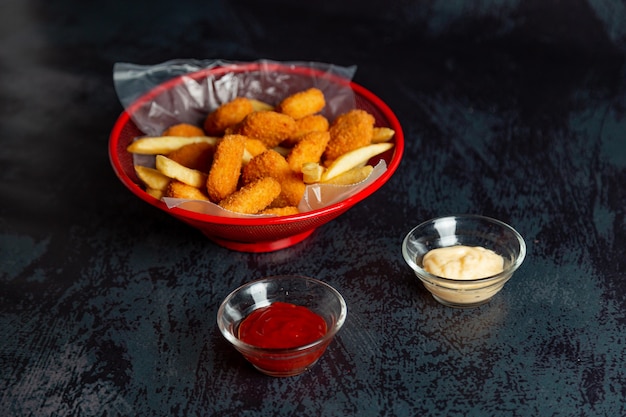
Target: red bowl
x=262, y=234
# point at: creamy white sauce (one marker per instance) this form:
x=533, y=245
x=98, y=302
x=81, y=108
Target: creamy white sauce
x=463, y=262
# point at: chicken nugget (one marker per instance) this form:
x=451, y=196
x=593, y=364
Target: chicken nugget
x=183, y=129
x=272, y=164
x=226, y=168
x=195, y=156
x=292, y=188
x=281, y=211
x=253, y=197
x=227, y=115
x=309, y=149
x=303, y=103
x=255, y=146
x=267, y=164
x=312, y=123
x=268, y=126
x=349, y=131
x=177, y=189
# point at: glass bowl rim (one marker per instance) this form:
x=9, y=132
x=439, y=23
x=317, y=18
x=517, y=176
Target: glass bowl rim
x=248, y=348
x=434, y=279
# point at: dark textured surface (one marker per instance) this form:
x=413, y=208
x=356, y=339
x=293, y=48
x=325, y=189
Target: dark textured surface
x=513, y=109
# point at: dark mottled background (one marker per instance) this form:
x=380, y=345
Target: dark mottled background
x=512, y=109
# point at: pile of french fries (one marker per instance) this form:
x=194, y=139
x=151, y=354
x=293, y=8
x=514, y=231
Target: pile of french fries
x=190, y=182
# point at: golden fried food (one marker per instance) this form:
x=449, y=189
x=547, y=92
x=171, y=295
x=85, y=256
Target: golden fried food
x=354, y=158
x=177, y=189
x=251, y=157
x=161, y=145
x=158, y=194
x=281, y=211
x=312, y=172
x=255, y=146
x=309, y=149
x=303, y=103
x=268, y=164
x=349, y=131
x=312, y=123
x=351, y=176
x=253, y=197
x=152, y=178
x=224, y=173
x=227, y=115
x=184, y=130
x=292, y=190
x=268, y=126
x=259, y=105
x=179, y=172
x=382, y=134
x=272, y=164
x=195, y=156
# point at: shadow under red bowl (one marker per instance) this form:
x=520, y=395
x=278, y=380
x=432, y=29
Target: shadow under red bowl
x=258, y=234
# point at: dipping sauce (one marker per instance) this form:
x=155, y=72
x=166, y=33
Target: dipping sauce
x=281, y=325
x=463, y=262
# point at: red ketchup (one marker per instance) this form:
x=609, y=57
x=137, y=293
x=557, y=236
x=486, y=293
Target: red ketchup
x=281, y=325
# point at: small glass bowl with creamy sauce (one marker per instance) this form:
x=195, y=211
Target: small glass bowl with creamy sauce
x=480, y=256
x=282, y=324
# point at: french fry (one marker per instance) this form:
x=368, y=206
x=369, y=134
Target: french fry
x=282, y=150
x=158, y=194
x=177, y=189
x=382, y=134
x=259, y=105
x=354, y=158
x=351, y=176
x=179, y=172
x=312, y=172
x=152, y=178
x=155, y=145
x=247, y=156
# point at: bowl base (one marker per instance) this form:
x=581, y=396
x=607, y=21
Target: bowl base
x=456, y=305
x=266, y=246
x=285, y=374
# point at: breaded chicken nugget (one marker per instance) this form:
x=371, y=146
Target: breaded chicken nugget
x=268, y=164
x=253, y=197
x=349, y=131
x=312, y=123
x=281, y=211
x=303, y=103
x=255, y=146
x=183, y=129
x=309, y=149
x=227, y=115
x=177, y=189
x=224, y=173
x=268, y=126
x=292, y=190
x=272, y=164
x=195, y=156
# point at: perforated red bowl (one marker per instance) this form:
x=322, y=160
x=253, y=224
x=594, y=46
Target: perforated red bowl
x=254, y=234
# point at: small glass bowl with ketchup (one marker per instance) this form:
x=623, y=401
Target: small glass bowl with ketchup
x=282, y=324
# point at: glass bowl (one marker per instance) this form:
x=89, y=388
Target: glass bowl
x=251, y=234
x=315, y=295
x=467, y=230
